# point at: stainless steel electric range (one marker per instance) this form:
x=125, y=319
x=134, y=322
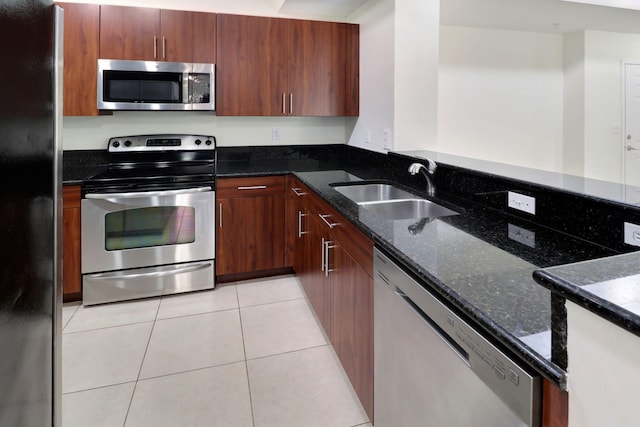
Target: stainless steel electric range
x=148, y=220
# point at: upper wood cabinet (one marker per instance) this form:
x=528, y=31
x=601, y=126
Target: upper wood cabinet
x=282, y=67
x=81, y=45
x=140, y=33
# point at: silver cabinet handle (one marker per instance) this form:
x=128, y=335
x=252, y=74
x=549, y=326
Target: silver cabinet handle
x=323, y=255
x=328, y=244
x=297, y=191
x=291, y=103
x=155, y=47
x=164, y=47
x=300, y=232
x=330, y=224
x=146, y=193
x=284, y=103
x=253, y=187
x=220, y=213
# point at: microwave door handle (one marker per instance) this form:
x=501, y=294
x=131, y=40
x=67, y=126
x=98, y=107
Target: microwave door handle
x=187, y=89
x=146, y=193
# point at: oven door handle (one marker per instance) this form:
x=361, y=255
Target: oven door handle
x=171, y=272
x=146, y=193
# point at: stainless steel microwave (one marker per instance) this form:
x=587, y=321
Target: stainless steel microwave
x=149, y=85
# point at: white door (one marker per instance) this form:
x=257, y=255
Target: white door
x=631, y=148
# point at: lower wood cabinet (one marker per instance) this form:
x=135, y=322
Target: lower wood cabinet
x=336, y=273
x=250, y=238
x=71, y=267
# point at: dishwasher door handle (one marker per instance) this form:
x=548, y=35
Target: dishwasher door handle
x=450, y=342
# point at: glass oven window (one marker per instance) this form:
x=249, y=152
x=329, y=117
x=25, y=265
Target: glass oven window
x=148, y=227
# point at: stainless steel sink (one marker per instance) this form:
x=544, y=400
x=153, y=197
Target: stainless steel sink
x=407, y=209
x=391, y=202
x=360, y=193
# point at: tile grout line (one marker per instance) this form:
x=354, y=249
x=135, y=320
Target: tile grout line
x=133, y=393
x=246, y=364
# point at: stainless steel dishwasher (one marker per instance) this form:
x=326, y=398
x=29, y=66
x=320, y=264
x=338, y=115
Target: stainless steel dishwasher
x=433, y=369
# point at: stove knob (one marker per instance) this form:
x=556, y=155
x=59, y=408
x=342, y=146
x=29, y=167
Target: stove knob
x=116, y=144
x=208, y=142
x=198, y=142
x=127, y=143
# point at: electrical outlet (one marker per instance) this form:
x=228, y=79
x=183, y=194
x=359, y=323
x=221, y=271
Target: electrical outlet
x=522, y=203
x=386, y=139
x=631, y=234
x=522, y=235
x=275, y=134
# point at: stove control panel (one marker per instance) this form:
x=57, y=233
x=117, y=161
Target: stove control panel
x=161, y=142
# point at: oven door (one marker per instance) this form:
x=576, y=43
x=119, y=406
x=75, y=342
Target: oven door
x=142, y=229
x=143, y=244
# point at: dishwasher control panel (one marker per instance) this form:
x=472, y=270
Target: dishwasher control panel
x=516, y=386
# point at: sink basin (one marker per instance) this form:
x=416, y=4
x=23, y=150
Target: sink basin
x=361, y=193
x=407, y=209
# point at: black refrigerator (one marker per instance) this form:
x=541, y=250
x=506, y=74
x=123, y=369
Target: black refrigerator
x=30, y=212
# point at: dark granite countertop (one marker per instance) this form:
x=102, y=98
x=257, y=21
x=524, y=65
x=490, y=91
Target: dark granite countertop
x=608, y=287
x=480, y=261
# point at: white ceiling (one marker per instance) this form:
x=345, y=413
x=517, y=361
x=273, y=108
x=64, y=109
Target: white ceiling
x=335, y=8
x=538, y=15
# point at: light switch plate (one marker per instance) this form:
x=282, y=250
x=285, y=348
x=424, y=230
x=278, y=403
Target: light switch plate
x=631, y=234
x=522, y=235
x=521, y=202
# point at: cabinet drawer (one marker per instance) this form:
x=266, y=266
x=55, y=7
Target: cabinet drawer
x=250, y=186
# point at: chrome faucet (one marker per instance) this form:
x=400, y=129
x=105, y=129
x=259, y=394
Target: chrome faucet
x=426, y=171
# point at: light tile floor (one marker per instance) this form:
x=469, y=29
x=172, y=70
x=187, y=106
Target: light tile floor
x=250, y=353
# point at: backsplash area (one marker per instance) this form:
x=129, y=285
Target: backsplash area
x=92, y=133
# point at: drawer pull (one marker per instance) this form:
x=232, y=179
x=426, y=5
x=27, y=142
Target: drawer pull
x=330, y=224
x=297, y=191
x=253, y=187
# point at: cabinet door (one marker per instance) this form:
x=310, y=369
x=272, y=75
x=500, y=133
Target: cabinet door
x=129, y=33
x=323, y=69
x=81, y=44
x=250, y=234
x=204, y=37
x=295, y=221
x=314, y=280
x=352, y=322
x=71, y=268
x=176, y=36
x=250, y=69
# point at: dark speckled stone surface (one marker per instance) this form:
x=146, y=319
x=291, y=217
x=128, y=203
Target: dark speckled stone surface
x=480, y=261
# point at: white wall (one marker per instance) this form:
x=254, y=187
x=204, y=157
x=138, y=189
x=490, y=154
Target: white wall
x=398, y=74
x=416, y=74
x=574, y=104
x=377, y=26
x=501, y=96
x=604, y=53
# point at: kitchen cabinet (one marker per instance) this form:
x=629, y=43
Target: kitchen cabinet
x=337, y=278
x=295, y=222
x=286, y=67
x=140, y=33
x=250, y=239
x=81, y=46
x=71, y=267
x=555, y=405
